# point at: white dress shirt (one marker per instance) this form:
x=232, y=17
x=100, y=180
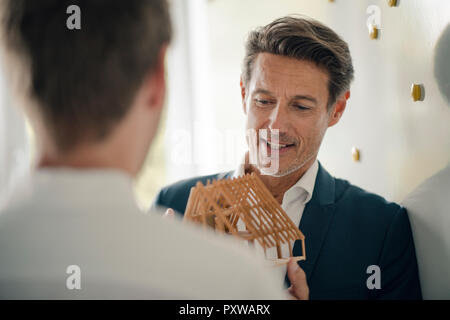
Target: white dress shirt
x=90, y=219
x=293, y=203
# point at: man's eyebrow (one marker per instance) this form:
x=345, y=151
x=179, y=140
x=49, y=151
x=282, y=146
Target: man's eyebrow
x=263, y=91
x=296, y=97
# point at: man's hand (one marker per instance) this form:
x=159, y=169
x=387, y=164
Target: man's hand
x=299, y=288
x=169, y=213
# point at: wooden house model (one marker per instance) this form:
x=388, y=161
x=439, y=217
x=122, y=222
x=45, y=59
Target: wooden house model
x=220, y=205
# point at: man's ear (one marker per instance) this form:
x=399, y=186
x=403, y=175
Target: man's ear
x=243, y=94
x=338, y=109
x=157, y=80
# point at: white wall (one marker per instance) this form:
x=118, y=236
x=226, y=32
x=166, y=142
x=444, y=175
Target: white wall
x=402, y=142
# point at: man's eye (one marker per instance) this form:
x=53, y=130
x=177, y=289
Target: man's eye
x=300, y=107
x=262, y=101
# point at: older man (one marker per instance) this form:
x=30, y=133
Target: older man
x=295, y=85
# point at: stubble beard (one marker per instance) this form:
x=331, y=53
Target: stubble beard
x=291, y=169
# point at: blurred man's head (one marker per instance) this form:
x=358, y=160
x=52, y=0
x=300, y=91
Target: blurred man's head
x=93, y=88
x=296, y=78
x=441, y=63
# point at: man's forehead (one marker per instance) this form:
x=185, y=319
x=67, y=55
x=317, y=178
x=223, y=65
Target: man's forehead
x=274, y=72
x=275, y=60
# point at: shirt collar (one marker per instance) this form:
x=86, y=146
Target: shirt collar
x=307, y=181
x=305, y=184
x=240, y=168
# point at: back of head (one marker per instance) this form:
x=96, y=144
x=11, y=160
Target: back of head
x=441, y=63
x=81, y=82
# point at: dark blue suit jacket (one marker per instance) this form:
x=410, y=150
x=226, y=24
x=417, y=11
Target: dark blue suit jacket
x=346, y=230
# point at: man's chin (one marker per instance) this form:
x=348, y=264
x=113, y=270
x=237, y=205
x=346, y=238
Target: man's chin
x=278, y=172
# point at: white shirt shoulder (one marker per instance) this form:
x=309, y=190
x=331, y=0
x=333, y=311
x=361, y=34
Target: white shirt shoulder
x=91, y=220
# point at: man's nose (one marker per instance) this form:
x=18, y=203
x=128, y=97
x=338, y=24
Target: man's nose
x=279, y=118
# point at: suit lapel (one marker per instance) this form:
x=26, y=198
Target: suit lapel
x=316, y=219
x=314, y=225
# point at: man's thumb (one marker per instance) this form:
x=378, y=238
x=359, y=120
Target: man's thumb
x=297, y=277
x=292, y=269
x=169, y=213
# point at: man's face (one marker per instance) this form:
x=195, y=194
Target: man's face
x=289, y=95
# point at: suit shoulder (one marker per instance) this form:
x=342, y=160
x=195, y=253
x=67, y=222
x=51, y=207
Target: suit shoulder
x=363, y=201
x=176, y=195
x=187, y=184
